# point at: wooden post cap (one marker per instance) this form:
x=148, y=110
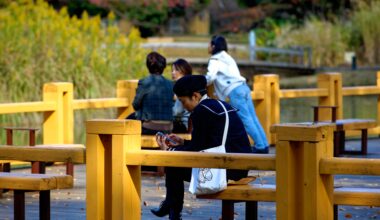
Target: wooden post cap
x=306, y=131
x=113, y=126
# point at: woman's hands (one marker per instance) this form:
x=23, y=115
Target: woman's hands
x=168, y=141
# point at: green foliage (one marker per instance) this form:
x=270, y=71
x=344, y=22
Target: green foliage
x=366, y=31
x=40, y=45
x=327, y=40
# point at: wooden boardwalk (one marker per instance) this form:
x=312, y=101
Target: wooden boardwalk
x=71, y=204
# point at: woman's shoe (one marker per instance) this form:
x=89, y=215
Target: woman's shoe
x=162, y=210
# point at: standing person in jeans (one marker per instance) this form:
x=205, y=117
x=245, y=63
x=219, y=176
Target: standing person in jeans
x=224, y=73
x=153, y=102
x=180, y=68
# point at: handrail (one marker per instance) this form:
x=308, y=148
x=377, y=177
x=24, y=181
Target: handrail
x=301, y=93
x=10, y=108
x=352, y=166
x=192, y=159
x=361, y=90
x=100, y=103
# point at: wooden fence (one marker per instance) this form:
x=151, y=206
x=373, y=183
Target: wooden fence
x=58, y=104
x=304, y=166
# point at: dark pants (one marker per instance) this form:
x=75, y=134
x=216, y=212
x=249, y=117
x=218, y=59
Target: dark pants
x=175, y=177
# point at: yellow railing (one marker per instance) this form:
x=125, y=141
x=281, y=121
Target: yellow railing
x=304, y=166
x=58, y=104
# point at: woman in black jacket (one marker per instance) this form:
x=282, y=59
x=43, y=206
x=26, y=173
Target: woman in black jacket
x=208, y=118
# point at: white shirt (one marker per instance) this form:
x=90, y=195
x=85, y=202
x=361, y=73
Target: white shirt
x=223, y=71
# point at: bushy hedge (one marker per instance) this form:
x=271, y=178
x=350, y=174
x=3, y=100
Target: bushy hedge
x=39, y=44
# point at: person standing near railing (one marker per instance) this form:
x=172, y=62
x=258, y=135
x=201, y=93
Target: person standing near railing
x=154, y=98
x=223, y=72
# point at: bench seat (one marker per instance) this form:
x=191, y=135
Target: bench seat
x=253, y=193
x=21, y=183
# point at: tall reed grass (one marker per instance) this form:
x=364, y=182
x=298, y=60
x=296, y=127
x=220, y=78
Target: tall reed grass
x=326, y=39
x=366, y=24
x=39, y=44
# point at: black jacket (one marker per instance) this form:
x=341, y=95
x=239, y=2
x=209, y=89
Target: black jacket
x=208, y=120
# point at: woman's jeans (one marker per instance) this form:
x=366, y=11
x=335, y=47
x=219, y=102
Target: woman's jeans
x=240, y=98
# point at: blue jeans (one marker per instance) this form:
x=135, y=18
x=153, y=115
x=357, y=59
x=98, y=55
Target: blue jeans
x=240, y=98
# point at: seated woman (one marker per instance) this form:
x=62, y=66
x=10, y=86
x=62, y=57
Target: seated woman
x=180, y=68
x=208, y=118
x=153, y=102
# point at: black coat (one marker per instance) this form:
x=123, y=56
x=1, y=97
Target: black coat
x=208, y=119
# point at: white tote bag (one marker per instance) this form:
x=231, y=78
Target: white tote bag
x=210, y=180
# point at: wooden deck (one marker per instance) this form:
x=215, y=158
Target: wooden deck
x=70, y=204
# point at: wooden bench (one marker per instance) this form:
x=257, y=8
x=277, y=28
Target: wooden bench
x=68, y=153
x=43, y=183
x=252, y=193
x=346, y=124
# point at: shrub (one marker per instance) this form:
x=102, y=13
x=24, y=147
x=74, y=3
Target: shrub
x=39, y=44
x=366, y=28
x=326, y=39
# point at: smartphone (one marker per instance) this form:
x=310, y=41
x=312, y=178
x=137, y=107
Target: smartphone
x=166, y=137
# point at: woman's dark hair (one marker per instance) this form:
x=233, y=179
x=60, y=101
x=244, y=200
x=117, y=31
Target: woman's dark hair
x=183, y=66
x=156, y=63
x=189, y=84
x=219, y=43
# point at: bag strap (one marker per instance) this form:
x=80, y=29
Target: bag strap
x=226, y=124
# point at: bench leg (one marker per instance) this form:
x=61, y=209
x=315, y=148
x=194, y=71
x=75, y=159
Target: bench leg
x=227, y=210
x=45, y=205
x=38, y=167
x=251, y=210
x=364, y=141
x=336, y=212
x=70, y=169
x=19, y=204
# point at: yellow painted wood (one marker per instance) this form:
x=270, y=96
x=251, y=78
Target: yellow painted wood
x=361, y=90
x=95, y=178
x=257, y=95
x=126, y=89
x=115, y=188
x=18, y=181
x=255, y=192
x=357, y=196
x=352, y=166
x=133, y=179
x=149, y=141
x=268, y=108
x=100, y=103
x=378, y=102
x=58, y=126
x=302, y=193
x=192, y=159
x=113, y=126
x=301, y=93
x=302, y=131
x=75, y=153
x=333, y=83
x=10, y=108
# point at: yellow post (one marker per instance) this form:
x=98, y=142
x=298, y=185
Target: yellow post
x=126, y=89
x=378, y=101
x=268, y=109
x=302, y=192
x=58, y=127
x=333, y=83
x=113, y=189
